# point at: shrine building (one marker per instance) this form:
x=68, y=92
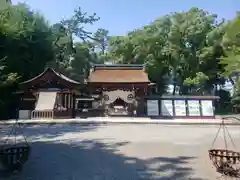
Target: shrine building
x=120, y=88
x=109, y=90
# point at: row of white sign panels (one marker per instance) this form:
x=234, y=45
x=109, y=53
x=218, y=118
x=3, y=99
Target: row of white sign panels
x=193, y=107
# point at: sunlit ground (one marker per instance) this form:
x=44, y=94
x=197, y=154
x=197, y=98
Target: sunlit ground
x=122, y=152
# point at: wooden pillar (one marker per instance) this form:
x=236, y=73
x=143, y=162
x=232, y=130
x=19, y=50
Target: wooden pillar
x=71, y=100
x=65, y=100
x=145, y=91
x=73, y=105
x=60, y=94
x=69, y=103
x=70, y=96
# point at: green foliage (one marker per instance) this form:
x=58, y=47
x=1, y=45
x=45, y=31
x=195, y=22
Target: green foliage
x=81, y=62
x=75, y=24
x=101, y=40
x=198, y=80
x=236, y=98
x=73, y=59
x=192, y=50
x=175, y=48
x=231, y=44
x=25, y=42
x=25, y=48
x=224, y=104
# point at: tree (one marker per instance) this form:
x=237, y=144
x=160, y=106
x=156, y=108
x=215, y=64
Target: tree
x=81, y=62
x=25, y=48
x=101, y=38
x=194, y=45
x=26, y=41
x=176, y=48
x=66, y=51
x=231, y=44
x=75, y=24
x=63, y=47
x=4, y=4
x=231, y=58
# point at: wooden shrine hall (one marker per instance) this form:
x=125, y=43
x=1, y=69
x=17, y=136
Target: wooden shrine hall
x=109, y=90
x=48, y=95
x=113, y=90
x=119, y=86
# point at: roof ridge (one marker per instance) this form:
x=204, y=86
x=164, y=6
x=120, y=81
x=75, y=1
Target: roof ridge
x=56, y=73
x=118, y=66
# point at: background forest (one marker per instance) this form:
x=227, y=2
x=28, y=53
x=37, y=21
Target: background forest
x=194, y=52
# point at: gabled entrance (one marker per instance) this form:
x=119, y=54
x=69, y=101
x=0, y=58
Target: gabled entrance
x=127, y=82
x=54, y=95
x=118, y=107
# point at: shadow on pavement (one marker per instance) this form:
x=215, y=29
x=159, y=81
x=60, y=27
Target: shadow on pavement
x=45, y=131
x=92, y=160
x=37, y=132
x=75, y=159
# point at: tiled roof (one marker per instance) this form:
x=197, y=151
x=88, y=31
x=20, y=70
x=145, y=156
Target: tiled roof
x=118, y=75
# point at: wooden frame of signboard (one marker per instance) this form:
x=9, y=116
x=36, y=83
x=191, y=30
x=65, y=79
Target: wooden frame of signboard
x=184, y=112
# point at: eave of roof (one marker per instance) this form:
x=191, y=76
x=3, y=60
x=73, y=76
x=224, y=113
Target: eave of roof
x=61, y=76
x=118, y=66
x=175, y=97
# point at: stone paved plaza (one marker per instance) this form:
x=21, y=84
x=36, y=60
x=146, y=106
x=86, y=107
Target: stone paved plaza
x=121, y=152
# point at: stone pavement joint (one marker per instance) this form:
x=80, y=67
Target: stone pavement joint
x=124, y=120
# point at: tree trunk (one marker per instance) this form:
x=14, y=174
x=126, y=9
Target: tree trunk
x=232, y=81
x=174, y=81
x=174, y=89
x=234, y=84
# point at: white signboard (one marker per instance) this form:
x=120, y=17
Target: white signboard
x=24, y=114
x=207, y=108
x=193, y=108
x=180, y=107
x=152, y=108
x=166, y=108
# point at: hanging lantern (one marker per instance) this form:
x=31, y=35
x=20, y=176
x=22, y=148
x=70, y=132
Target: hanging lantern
x=13, y=156
x=226, y=162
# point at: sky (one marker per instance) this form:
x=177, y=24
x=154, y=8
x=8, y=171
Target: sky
x=122, y=16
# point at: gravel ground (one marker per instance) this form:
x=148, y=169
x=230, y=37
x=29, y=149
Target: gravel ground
x=121, y=152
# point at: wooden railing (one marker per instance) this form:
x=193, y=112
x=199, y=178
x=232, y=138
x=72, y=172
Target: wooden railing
x=47, y=114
